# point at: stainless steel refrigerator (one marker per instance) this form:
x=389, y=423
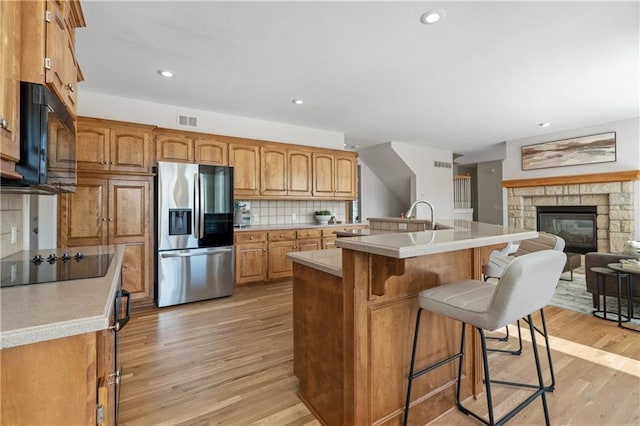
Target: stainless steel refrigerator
x=194, y=238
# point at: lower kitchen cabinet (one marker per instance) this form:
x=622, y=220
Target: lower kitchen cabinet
x=262, y=255
x=250, y=257
x=105, y=211
x=60, y=381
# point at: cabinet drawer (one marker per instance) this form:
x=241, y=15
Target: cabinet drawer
x=282, y=235
x=309, y=233
x=244, y=237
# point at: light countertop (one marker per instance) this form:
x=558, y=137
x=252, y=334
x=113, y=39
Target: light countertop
x=296, y=226
x=329, y=260
x=463, y=234
x=38, y=312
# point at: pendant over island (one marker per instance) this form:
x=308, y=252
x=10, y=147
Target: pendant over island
x=354, y=311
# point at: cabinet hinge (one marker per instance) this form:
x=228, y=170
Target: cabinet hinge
x=47, y=16
x=47, y=63
x=99, y=414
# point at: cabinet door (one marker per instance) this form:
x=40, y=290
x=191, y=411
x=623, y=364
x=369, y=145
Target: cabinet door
x=328, y=243
x=309, y=244
x=9, y=88
x=273, y=167
x=61, y=148
x=129, y=149
x=135, y=270
x=211, y=151
x=129, y=224
x=346, y=176
x=299, y=173
x=251, y=262
x=246, y=173
x=170, y=147
x=323, y=175
x=106, y=367
x=92, y=146
x=128, y=210
x=56, y=49
x=83, y=214
x=279, y=265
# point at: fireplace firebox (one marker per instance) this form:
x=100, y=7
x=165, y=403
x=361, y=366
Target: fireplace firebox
x=575, y=224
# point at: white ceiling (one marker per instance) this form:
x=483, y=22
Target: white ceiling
x=489, y=72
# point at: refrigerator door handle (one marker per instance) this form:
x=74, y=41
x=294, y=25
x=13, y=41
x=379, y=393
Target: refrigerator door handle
x=200, y=207
x=196, y=201
x=200, y=253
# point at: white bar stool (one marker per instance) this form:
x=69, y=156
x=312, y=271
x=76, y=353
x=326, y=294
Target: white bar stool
x=527, y=285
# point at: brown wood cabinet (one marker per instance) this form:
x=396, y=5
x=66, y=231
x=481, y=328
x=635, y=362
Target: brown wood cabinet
x=283, y=242
x=285, y=172
x=9, y=88
x=104, y=145
x=174, y=145
x=245, y=160
x=250, y=256
x=48, y=46
x=60, y=381
x=106, y=210
x=335, y=175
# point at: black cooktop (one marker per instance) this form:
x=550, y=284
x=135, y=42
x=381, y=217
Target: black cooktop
x=52, y=268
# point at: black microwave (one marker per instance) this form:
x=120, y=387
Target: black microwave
x=47, y=144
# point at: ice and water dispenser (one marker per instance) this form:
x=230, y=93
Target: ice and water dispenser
x=180, y=221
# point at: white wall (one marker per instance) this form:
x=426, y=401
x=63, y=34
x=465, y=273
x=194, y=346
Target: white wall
x=433, y=184
x=99, y=105
x=377, y=199
x=627, y=151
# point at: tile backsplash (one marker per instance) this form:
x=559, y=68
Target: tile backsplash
x=286, y=212
x=11, y=221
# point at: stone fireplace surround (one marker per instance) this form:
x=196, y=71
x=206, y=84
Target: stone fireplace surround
x=614, y=201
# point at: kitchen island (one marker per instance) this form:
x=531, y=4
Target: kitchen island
x=354, y=316
x=57, y=362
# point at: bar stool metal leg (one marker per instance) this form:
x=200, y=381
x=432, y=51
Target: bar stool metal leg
x=414, y=375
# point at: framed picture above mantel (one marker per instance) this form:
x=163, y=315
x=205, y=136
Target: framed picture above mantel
x=600, y=148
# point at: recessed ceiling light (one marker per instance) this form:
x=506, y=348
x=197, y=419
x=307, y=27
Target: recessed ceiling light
x=545, y=124
x=298, y=101
x=432, y=16
x=166, y=73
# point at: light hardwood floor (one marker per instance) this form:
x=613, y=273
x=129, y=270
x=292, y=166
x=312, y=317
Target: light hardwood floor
x=230, y=361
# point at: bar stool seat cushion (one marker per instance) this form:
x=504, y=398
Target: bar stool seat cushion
x=491, y=306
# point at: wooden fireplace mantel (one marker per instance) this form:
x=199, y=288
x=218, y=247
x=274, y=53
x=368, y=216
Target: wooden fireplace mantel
x=625, y=176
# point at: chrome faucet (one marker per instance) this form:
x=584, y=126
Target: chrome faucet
x=409, y=213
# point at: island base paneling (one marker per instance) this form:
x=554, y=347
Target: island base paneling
x=353, y=337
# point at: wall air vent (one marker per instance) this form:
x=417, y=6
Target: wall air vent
x=185, y=120
x=442, y=164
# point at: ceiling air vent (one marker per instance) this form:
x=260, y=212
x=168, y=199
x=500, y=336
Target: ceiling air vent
x=442, y=164
x=185, y=120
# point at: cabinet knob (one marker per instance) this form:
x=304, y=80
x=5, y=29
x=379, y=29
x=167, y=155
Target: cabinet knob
x=105, y=162
x=104, y=219
x=125, y=266
x=264, y=249
x=251, y=237
x=110, y=219
x=111, y=162
x=4, y=124
x=70, y=87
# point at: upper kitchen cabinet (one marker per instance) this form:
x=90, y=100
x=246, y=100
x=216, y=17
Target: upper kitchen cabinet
x=335, y=175
x=245, y=160
x=188, y=147
x=9, y=87
x=48, y=47
x=104, y=145
x=285, y=172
